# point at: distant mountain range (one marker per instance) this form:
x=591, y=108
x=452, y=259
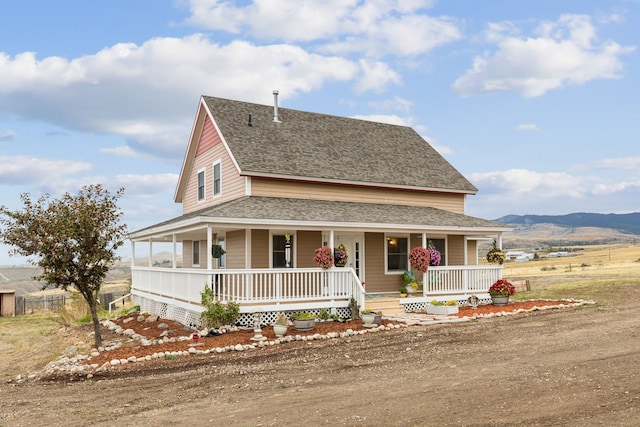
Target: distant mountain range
x=625, y=223
x=575, y=228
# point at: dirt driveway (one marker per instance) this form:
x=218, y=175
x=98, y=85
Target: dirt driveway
x=573, y=367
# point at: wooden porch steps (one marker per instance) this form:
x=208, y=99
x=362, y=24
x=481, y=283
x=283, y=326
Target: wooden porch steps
x=387, y=305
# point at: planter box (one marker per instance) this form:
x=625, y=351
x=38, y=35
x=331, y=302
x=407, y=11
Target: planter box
x=304, y=324
x=442, y=309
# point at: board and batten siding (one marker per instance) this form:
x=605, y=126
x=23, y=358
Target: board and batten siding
x=346, y=193
x=210, y=149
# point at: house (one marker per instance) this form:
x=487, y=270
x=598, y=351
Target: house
x=271, y=185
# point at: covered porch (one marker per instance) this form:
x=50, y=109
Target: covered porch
x=175, y=293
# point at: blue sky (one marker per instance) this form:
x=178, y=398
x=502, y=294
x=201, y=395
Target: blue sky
x=533, y=101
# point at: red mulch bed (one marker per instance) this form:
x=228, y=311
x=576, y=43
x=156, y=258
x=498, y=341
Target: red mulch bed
x=151, y=331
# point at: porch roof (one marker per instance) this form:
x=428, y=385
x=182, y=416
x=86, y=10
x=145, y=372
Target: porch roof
x=305, y=213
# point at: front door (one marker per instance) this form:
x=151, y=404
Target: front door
x=355, y=250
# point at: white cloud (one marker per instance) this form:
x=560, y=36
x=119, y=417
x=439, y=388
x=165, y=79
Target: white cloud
x=623, y=163
x=395, y=104
x=121, y=151
x=376, y=76
x=149, y=93
x=31, y=171
x=528, y=127
x=337, y=26
x=564, y=52
x=146, y=186
x=522, y=182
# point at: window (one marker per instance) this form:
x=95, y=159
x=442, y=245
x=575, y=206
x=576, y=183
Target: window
x=196, y=252
x=282, y=252
x=217, y=178
x=201, y=185
x=397, y=256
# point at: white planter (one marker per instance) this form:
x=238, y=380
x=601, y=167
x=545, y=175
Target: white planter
x=279, y=330
x=368, y=319
x=442, y=309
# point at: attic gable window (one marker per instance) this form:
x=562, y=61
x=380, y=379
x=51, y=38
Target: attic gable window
x=201, y=185
x=217, y=178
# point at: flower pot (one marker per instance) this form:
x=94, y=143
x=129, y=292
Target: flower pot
x=410, y=290
x=500, y=299
x=442, y=309
x=304, y=324
x=403, y=295
x=378, y=319
x=280, y=330
x=368, y=319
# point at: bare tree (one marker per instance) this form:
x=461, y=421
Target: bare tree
x=74, y=239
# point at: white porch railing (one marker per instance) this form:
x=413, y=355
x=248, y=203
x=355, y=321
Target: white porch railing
x=267, y=288
x=462, y=280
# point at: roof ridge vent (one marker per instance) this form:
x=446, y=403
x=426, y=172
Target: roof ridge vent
x=276, y=119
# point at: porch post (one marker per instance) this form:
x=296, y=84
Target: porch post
x=150, y=252
x=209, y=244
x=173, y=256
x=133, y=254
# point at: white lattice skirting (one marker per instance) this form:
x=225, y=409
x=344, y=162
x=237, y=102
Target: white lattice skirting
x=192, y=318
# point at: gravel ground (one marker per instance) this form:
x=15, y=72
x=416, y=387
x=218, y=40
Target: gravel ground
x=570, y=367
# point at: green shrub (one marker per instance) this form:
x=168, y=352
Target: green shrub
x=217, y=314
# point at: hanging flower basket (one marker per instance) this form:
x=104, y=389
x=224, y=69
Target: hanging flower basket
x=323, y=257
x=419, y=259
x=495, y=255
x=340, y=255
x=217, y=251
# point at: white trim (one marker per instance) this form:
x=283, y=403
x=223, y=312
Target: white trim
x=386, y=254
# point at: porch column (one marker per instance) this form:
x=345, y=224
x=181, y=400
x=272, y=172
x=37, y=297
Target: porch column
x=173, y=257
x=150, y=252
x=209, y=244
x=133, y=254
x=331, y=239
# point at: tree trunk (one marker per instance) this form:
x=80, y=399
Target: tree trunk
x=96, y=322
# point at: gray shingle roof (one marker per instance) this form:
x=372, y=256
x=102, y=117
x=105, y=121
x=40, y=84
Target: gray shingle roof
x=330, y=148
x=288, y=210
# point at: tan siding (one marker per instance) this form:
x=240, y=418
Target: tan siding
x=302, y=190
x=259, y=248
x=472, y=252
x=187, y=253
x=377, y=280
x=235, y=247
x=306, y=244
x=233, y=185
x=455, y=250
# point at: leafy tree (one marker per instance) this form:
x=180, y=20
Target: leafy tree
x=74, y=239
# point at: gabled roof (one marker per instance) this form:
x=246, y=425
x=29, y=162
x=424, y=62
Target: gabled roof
x=324, y=148
x=275, y=211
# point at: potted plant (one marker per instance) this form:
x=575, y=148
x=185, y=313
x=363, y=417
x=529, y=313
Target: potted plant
x=409, y=282
x=340, y=255
x=217, y=251
x=368, y=318
x=495, y=255
x=439, y=307
x=403, y=291
x=500, y=292
x=434, y=256
x=281, y=324
x=303, y=321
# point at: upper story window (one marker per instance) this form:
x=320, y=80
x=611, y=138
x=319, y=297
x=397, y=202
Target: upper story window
x=217, y=178
x=201, y=181
x=397, y=254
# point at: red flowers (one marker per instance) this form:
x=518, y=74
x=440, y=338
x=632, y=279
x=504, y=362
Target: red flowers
x=502, y=287
x=419, y=259
x=323, y=257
